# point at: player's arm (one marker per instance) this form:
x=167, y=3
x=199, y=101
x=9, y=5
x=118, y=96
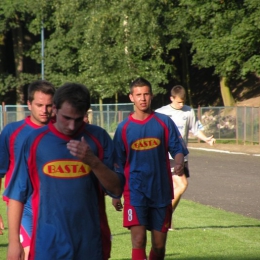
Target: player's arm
x=179, y=164
x=2, y=226
x=117, y=204
x=209, y=140
x=108, y=178
x=15, y=249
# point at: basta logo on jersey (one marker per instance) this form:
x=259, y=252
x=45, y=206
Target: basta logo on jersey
x=66, y=169
x=145, y=144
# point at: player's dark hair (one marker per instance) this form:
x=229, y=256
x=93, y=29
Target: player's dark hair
x=179, y=91
x=140, y=82
x=77, y=95
x=42, y=86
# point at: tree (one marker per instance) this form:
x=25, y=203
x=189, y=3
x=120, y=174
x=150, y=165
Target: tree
x=14, y=15
x=222, y=36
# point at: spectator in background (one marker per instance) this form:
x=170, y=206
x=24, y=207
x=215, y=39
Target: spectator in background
x=142, y=142
x=40, y=94
x=185, y=119
x=67, y=175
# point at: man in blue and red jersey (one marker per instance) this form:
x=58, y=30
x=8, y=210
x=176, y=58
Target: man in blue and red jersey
x=142, y=143
x=67, y=167
x=40, y=95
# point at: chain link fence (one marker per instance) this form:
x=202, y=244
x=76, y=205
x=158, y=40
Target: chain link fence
x=106, y=115
x=238, y=124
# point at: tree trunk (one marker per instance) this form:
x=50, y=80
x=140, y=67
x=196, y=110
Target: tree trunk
x=17, y=35
x=226, y=94
x=101, y=112
x=186, y=71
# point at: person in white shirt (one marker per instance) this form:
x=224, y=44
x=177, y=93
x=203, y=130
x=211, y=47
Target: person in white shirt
x=185, y=119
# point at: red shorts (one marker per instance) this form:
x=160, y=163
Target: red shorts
x=24, y=237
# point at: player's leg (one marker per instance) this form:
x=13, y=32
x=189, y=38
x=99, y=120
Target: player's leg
x=135, y=220
x=158, y=245
x=180, y=184
x=138, y=238
x=26, y=252
x=159, y=221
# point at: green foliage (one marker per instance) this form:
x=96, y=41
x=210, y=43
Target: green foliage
x=224, y=36
x=106, y=44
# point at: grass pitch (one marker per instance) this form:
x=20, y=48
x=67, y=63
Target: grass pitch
x=201, y=233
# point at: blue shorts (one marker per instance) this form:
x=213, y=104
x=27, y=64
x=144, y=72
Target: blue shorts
x=152, y=218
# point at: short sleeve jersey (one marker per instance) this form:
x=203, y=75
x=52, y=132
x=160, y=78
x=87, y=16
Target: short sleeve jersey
x=11, y=141
x=185, y=119
x=142, y=154
x=69, y=218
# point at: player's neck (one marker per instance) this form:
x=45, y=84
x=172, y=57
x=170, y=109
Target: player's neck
x=172, y=106
x=141, y=115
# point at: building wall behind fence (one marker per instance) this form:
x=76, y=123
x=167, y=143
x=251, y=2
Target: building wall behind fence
x=240, y=124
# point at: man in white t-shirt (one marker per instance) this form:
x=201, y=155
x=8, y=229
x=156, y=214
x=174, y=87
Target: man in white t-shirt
x=185, y=119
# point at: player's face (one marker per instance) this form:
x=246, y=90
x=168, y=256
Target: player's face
x=41, y=108
x=68, y=119
x=142, y=98
x=177, y=102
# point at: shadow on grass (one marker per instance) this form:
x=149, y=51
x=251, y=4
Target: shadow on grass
x=213, y=227
x=121, y=234
x=233, y=257
x=192, y=228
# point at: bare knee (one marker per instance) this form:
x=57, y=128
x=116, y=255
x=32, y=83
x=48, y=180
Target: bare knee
x=138, y=236
x=158, y=242
x=180, y=184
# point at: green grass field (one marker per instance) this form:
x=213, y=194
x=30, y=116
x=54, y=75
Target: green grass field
x=201, y=233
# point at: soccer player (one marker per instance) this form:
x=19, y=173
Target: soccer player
x=185, y=119
x=66, y=167
x=40, y=94
x=142, y=142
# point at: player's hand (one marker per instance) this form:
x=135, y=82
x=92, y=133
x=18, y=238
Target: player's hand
x=2, y=227
x=15, y=251
x=178, y=169
x=82, y=150
x=117, y=204
x=210, y=140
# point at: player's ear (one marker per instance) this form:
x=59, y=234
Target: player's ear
x=131, y=98
x=54, y=110
x=171, y=98
x=29, y=105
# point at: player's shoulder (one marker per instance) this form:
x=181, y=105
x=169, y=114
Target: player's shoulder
x=187, y=108
x=163, y=109
x=10, y=127
x=122, y=123
x=37, y=131
x=96, y=130
x=162, y=116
